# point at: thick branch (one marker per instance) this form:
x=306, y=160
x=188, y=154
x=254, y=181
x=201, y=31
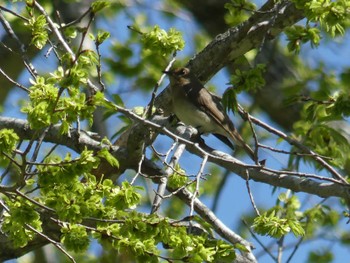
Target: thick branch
x=279, y=65
x=235, y=42
x=299, y=182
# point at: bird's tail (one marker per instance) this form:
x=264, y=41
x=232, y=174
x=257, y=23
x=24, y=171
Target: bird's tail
x=238, y=140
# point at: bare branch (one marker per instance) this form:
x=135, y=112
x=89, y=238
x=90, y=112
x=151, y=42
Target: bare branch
x=215, y=222
x=196, y=192
x=13, y=81
x=296, y=143
x=78, y=141
x=251, y=195
x=169, y=171
x=21, y=46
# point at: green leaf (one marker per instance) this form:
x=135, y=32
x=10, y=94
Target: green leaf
x=125, y=197
x=20, y=214
x=342, y=104
x=104, y=153
x=249, y=80
x=75, y=238
x=229, y=100
x=161, y=42
x=99, y=5
x=331, y=15
x=178, y=178
x=298, y=35
x=102, y=36
x=8, y=140
x=238, y=11
x=320, y=256
x=38, y=26
x=271, y=225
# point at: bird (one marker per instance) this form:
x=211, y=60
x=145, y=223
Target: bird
x=194, y=105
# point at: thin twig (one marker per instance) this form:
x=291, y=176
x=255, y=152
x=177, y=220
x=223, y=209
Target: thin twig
x=60, y=38
x=139, y=165
x=250, y=193
x=294, y=153
x=55, y=243
x=99, y=67
x=196, y=192
x=22, y=47
x=258, y=240
x=166, y=156
x=53, y=47
x=218, y=191
x=295, y=143
x=49, y=152
x=80, y=49
x=12, y=159
x=307, y=175
x=280, y=243
x=14, y=13
x=179, y=189
x=33, y=201
x=76, y=21
x=256, y=150
x=55, y=30
x=37, y=148
x=165, y=163
x=13, y=81
x=172, y=147
x=158, y=154
x=295, y=250
x=149, y=110
x=164, y=179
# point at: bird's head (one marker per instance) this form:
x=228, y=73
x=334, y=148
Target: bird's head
x=179, y=76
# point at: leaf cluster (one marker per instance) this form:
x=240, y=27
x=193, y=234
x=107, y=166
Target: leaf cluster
x=326, y=105
x=333, y=16
x=298, y=35
x=8, y=140
x=280, y=220
x=20, y=214
x=249, y=80
x=38, y=27
x=238, y=11
x=162, y=42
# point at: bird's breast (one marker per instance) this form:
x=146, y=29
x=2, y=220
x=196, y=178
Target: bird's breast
x=190, y=114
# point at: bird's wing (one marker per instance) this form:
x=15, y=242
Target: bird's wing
x=212, y=106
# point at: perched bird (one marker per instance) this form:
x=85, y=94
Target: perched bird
x=194, y=105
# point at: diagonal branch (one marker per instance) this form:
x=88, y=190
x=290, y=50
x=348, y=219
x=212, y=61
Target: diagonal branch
x=298, y=182
x=215, y=222
x=169, y=171
x=236, y=41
